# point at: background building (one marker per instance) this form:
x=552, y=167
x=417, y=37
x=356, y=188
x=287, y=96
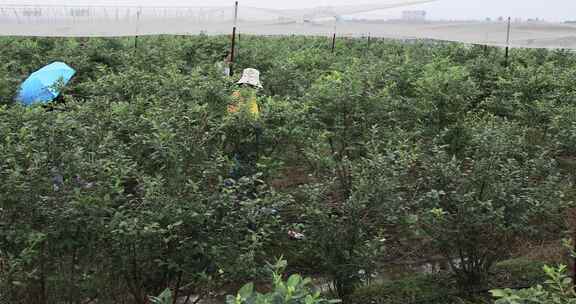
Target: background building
x=419, y=15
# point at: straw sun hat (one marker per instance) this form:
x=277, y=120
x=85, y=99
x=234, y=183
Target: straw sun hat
x=251, y=77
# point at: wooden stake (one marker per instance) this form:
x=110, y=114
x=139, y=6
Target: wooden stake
x=507, y=43
x=233, y=47
x=137, y=27
x=334, y=43
x=334, y=36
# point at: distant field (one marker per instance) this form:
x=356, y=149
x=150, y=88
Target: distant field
x=530, y=35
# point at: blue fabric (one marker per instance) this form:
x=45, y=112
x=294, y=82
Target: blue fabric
x=40, y=87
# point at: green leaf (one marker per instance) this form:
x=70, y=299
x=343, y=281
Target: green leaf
x=294, y=280
x=230, y=299
x=246, y=291
x=498, y=293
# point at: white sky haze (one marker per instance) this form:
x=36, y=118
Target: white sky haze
x=552, y=10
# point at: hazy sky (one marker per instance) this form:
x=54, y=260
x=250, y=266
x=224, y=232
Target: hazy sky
x=552, y=10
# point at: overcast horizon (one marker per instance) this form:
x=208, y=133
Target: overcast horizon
x=551, y=10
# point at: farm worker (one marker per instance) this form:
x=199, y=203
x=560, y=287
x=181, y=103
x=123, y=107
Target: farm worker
x=244, y=125
x=245, y=96
x=224, y=65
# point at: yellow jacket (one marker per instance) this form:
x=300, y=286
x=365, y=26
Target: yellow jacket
x=241, y=100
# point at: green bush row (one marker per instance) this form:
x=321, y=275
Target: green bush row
x=443, y=288
x=120, y=192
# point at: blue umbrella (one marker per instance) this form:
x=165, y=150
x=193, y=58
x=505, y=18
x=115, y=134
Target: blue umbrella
x=42, y=85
